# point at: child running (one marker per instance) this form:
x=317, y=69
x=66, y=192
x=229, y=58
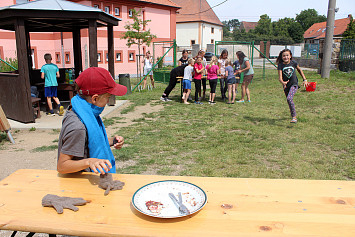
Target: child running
x=212, y=76
x=231, y=81
x=198, y=76
x=188, y=71
x=288, y=78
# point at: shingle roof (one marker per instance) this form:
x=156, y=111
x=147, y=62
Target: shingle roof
x=317, y=30
x=248, y=25
x=161, y=2
x=194, y=10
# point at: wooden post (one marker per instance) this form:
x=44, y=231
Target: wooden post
x=24, y=91
x=111, y=58
x=78, y=63
x=93, y=43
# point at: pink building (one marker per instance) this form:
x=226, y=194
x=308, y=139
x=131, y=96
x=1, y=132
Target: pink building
x=162, y=14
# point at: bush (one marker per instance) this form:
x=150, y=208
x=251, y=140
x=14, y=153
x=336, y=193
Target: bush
x=6, y=68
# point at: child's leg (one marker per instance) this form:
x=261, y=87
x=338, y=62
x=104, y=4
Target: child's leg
x=290, y=102
x=229, y=93
x=243, y=91
x=49, y=102
x=233, y=92
x=213, y=95
x=56, y=100
x=152, y=80
x=197, y=89
x=184, y=95
x=204, y=86
x=144, y=83
x=188, y=91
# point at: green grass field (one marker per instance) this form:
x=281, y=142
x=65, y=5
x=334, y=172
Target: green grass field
x=251, y=139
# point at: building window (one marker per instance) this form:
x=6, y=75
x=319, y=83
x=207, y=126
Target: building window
x=118, y=57
x=107, y=10
x=106, y=57
x=117, y=11
x=99, y=57
x=57, y=57
x=67, y=57
x=130, y=13
x=131, y=56
x=212, y=30
x=193, y=42
x=212, y=41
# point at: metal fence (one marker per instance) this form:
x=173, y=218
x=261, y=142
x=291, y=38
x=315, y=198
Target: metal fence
x=310, y=51
x=347, y=49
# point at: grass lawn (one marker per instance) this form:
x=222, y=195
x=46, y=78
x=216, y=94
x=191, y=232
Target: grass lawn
x=251, y=139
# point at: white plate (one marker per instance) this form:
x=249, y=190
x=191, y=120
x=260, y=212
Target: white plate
x=193, y=197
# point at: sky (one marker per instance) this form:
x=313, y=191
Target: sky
x=251, y=10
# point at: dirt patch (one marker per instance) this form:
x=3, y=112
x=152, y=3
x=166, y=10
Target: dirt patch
x=21, y=155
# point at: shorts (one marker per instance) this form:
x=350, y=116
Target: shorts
x=50, y=91
x=186, y=84
x=146, y=70
x=248, y=78
x=231, y=80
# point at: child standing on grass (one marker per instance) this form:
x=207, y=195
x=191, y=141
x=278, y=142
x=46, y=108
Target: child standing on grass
x=83, y=143
x=288, y=78
x=148, y=64
x=231, y=81
x=236, y=68
x=212, y=76
x=188, y=72
x=221, y=64
x=197, y=78
x=50, y=72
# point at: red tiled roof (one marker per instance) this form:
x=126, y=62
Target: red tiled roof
x=248, y=25
x=194, y=10
x=161, y=2
x=317, y=30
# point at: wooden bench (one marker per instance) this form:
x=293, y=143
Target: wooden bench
x=36, y=106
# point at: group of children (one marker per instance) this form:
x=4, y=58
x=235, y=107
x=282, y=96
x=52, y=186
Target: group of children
x=83, y=143
x=222, y=69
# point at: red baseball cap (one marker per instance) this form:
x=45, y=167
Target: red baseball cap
x=97, y=80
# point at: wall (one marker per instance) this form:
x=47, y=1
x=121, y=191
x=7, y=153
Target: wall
x=185, y=32
x=207, y=35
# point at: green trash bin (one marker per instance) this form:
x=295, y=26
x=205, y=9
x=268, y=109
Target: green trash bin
x=125, y=80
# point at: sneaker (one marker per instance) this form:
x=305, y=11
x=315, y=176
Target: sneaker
x=167, y=99
x=249, y=101
x=61, y=110
x=294, y=120
x=213, y=102
x=209, y=102
x=162, y=98
x=198, y=103
x=50, y=114
x=240, y=101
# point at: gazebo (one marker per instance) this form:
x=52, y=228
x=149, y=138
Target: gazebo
x=47, y=16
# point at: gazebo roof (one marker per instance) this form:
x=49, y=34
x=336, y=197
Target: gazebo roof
x=54, y=16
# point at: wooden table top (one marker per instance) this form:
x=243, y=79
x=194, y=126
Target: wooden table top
x=261, y=207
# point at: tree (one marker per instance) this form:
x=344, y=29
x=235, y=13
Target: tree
x=280, y=27
x=308, y=17
x=349, y=33
x=295, y=31
x=264, y=26
x=229, y=27
x=136, y=33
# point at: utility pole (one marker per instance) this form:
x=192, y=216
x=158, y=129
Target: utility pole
x=328, y=44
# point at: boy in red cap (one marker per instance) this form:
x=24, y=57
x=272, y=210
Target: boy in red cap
x=83, y=144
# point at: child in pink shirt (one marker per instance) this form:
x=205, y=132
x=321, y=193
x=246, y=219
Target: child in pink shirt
x=198, y=67
x=212, y=77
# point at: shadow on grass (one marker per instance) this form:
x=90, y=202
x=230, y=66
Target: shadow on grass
x=270, y=121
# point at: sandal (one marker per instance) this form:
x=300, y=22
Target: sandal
x=294, y=120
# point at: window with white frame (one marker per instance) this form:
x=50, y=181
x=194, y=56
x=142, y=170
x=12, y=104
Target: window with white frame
x=106, y=57
x=117, y=11
x=118, y=56
x=107, y=10
x=130, y=13
x=99, y=57
x=131, y=56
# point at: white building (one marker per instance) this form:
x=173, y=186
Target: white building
x=196, y=23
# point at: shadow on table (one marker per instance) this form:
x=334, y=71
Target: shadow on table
x=91, y=177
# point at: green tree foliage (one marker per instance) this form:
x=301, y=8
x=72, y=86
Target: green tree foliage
x=308, y=17
x=295, y=31
x=5, y=67
x=264, y=26
x=229, y=27
x=350, y=30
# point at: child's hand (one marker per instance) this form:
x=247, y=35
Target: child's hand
x=99, y=165
x=284, y=83
x=118, y=142
x=305, y=83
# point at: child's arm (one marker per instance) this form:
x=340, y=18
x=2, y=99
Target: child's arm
x=66, y=164
x=284, y=83
x=42, y=75
x=58, y=75
x=303, y=76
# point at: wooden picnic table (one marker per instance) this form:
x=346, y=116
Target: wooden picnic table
x=261, y=207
